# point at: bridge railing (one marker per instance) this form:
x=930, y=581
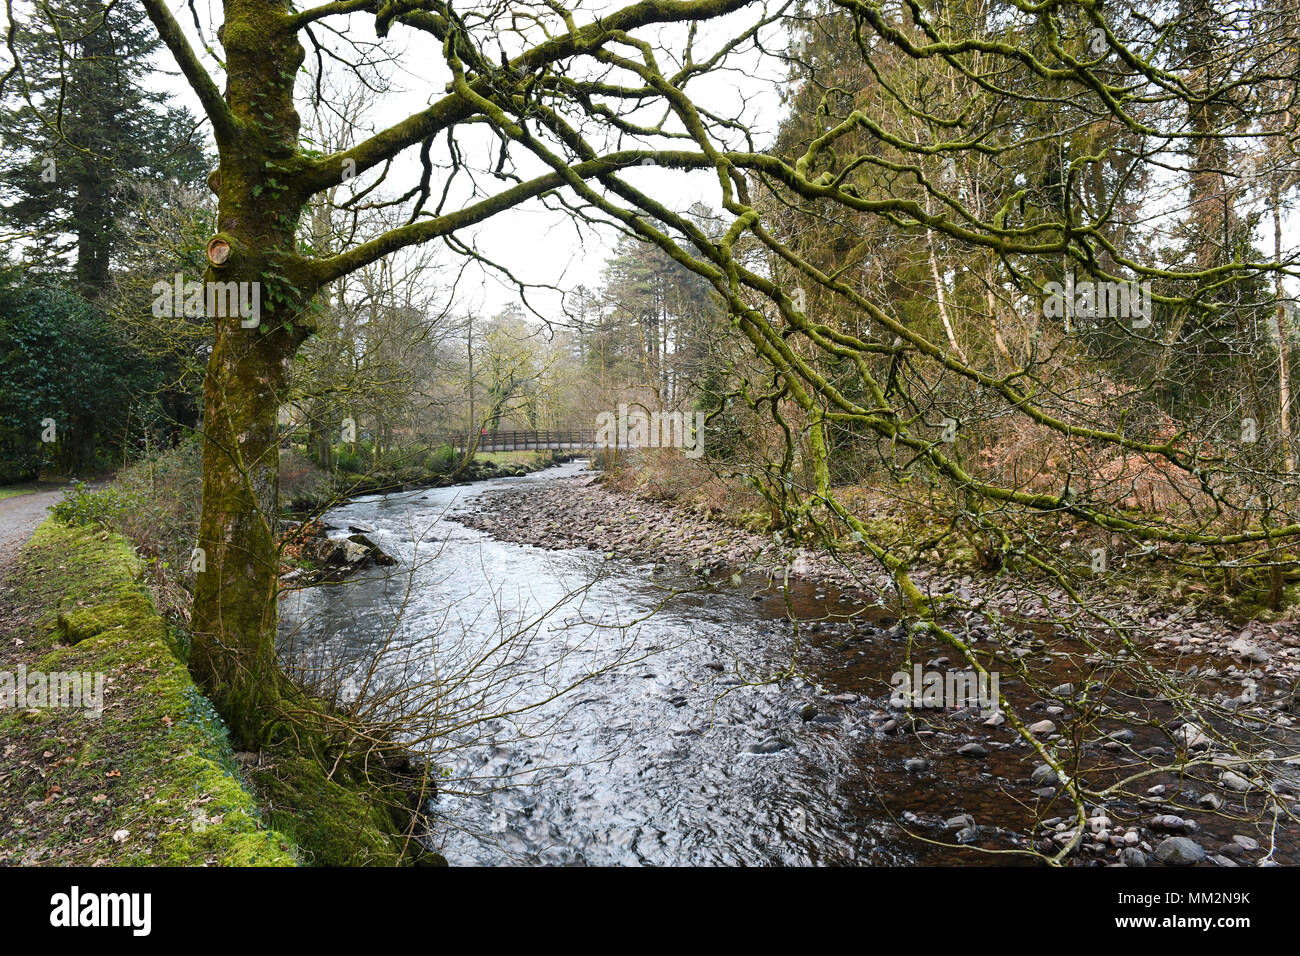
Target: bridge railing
x=521, y=439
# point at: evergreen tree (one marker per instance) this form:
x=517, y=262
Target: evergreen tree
x=78, y=127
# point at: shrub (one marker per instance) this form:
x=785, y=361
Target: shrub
x=441, y=460
x=155, y=504
x=103, y=508
x=302, y=483
x=356, y=458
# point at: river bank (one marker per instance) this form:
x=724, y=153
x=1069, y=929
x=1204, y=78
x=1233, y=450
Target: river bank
x=135, y=767
x=309, y=497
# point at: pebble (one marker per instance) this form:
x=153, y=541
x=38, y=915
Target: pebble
x=1245, y=650
x=959, y=822
x=1191, y=737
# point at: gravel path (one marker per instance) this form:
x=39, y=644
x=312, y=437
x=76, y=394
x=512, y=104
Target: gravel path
x=19, y=517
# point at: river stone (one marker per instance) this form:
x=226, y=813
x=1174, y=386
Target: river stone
x=1247, y=651
x=1235, y=781
x=972, y=750
x=916, y=764
x=1191, y=737
x=1179, y=851
x=372, y=551
x=808, y=711
x=769, y=746
x=1042, y=727
x=1044, y=775
x=1171, y=823
x=1132, y=856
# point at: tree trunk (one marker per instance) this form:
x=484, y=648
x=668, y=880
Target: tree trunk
x=235, y=613
x=235, y=601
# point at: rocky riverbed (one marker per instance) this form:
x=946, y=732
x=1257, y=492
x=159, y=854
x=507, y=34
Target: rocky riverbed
x=312, y=555
x=580, y=512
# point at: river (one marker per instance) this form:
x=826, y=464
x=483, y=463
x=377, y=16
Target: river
x=668, y=745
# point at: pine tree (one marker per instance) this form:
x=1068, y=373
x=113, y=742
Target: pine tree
x=78, y=128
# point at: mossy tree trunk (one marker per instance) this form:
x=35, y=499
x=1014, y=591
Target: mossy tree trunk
x=235, y=604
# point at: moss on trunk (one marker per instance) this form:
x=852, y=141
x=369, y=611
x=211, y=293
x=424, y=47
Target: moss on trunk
x=235, y=606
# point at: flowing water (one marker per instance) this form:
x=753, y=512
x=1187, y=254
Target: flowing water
x=612, y=712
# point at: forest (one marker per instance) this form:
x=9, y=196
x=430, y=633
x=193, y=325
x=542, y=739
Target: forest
x=875, y=415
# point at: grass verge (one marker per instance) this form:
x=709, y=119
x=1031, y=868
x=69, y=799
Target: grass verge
x=153, y=779
x=150, y=781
